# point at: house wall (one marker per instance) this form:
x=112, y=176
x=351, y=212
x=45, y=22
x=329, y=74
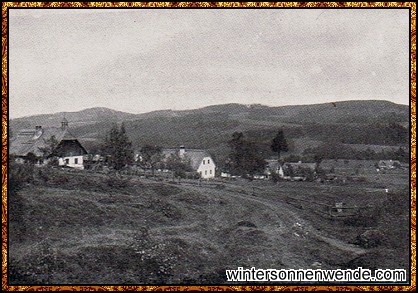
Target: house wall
x=19, y=160
x=207, y=168
x=73, y=162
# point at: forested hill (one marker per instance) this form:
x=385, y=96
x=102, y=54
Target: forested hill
x=369, y=122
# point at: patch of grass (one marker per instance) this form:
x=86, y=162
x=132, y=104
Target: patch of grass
x=153, y=232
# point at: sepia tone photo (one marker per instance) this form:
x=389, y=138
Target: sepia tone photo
x=208, y=146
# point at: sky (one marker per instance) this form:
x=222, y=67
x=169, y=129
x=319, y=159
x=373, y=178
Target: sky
x=141, y=60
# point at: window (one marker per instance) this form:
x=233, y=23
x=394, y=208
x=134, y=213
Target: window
x=67, y=161
x=208, y=161
x=206, y=172
x=76, y=161
x=203, y=162
x=210, y=171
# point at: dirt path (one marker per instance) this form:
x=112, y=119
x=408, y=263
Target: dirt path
x=292, y=222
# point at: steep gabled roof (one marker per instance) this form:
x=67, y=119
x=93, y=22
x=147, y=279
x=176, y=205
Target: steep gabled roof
x=273, y=164
x=194, y=155
x=30, y=140
x=311, y=166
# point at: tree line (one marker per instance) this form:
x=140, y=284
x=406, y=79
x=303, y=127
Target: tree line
x=244, y=158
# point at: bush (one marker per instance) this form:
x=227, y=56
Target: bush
x=53, y=162
x=274, y=177
x=180, y=173
x=308, y=173
x=117, y=181
x=19, y=175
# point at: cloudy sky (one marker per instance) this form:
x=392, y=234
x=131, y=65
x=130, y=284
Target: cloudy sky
x=140, y=60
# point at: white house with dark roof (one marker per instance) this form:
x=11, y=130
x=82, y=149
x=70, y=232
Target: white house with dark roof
x=69, y=150
x=200, y=160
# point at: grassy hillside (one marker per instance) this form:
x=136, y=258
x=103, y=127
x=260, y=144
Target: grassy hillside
x=75, y=227
x=352, y=122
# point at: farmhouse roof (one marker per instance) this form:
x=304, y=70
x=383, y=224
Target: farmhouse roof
x=272, y=164
x=311, y=166
x=346, y=164
x=30, y=140
x=195, y=155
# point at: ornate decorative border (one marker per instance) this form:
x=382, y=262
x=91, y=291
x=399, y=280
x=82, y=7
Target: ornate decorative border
x=4, y=122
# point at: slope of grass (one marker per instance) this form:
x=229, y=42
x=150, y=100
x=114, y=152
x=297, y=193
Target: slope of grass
x=83, y=228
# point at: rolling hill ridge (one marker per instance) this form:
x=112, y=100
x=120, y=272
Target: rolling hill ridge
x=351, y=122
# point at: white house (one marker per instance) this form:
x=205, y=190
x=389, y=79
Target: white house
x=200, y=160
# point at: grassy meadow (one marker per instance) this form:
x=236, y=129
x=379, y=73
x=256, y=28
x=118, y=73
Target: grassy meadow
x=79, y=227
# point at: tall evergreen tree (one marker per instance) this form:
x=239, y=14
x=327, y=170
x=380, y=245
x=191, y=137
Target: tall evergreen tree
x=279, y=144
x=244, y=158
x=118, y=148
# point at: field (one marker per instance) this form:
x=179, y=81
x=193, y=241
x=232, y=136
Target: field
x=87, y=228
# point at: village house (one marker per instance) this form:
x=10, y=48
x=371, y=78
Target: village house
x=29, y=144
x=348, y=167
x=300, y=165
x=273, y=167
x=289, y=171
x=200, y=160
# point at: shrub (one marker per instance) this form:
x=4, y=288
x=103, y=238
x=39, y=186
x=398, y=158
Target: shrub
x=274, y=177
x=117, y=181
x=53, y=162
x=19, y=175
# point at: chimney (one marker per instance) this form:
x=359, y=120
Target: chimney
x=182, y=151
x=64, y=124
x=38, y=132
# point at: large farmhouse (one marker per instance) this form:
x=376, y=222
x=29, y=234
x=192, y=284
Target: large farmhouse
x=30, y=143
x=200, y=160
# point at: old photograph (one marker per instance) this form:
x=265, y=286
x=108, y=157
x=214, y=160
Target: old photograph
x=208, y=146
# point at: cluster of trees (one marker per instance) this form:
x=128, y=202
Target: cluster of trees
x=336, y=150
x=179, y=165
x=152, y=158
x=245, y=158
x=119, y=154
x=117, y=148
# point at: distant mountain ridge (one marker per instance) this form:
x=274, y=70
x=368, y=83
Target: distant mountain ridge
x=353, y=122
x=86, y=116
x=334, y=111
